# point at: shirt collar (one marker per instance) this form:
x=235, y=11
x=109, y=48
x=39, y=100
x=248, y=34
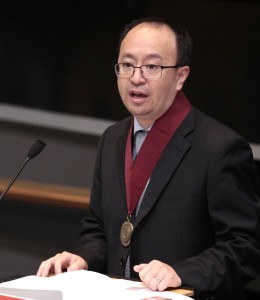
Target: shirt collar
x=138, y=126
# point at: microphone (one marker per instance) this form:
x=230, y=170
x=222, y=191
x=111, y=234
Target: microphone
x=35, y=149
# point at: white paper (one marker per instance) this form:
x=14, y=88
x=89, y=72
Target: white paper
x=81, y=285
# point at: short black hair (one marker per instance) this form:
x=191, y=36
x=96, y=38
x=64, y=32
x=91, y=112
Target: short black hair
x=183, y=38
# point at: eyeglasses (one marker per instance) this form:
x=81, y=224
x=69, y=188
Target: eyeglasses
x=126, y=70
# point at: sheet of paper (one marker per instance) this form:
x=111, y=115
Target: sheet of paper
x=82, y=285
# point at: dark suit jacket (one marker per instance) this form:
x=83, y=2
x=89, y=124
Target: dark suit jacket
x=200, y=213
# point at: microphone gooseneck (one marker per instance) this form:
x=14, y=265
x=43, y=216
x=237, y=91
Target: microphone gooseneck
x=35, y=149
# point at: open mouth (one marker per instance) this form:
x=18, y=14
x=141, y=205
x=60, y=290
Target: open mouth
x=138, y=95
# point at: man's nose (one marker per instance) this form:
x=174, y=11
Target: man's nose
x=138, y=75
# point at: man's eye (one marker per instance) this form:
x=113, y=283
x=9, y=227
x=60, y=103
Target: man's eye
x=152, y=67
x=126, y=65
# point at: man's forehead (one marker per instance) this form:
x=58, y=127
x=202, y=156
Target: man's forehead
x=155, y=40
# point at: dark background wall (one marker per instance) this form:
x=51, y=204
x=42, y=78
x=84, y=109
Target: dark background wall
x=59, y=55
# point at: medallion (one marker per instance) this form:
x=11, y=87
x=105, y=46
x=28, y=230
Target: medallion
x=126, y=233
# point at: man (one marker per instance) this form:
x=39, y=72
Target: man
x=184, y=210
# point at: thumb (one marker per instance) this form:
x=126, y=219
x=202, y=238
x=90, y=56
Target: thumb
x=138, y=268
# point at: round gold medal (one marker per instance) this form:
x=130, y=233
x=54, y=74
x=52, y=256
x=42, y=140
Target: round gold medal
x=126, y=233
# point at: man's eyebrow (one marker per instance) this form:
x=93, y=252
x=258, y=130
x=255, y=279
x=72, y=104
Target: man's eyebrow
x=127, y=55
x=148, y=56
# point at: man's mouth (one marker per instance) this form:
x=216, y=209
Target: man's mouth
x=138, y=95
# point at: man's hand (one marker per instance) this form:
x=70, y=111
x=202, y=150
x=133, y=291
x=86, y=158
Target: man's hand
x=157, y=275
x=61, y=261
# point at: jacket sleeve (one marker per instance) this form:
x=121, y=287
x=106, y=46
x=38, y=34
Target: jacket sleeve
x=234, y=209
x=92, y=241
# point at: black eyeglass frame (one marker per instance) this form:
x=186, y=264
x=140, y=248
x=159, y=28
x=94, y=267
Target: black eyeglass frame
x=162, y=68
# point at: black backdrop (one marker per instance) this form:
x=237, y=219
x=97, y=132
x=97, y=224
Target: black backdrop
x=59, y=56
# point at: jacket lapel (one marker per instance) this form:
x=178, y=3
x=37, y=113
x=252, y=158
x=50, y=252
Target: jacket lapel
x=166, y=166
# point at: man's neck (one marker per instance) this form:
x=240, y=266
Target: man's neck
x=139, y=126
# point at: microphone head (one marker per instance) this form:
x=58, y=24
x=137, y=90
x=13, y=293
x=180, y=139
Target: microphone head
x=36, y=149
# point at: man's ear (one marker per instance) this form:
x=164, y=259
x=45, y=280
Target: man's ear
x=182, y=75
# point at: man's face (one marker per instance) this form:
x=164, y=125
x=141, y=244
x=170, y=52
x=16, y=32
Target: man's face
x=148, y=99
